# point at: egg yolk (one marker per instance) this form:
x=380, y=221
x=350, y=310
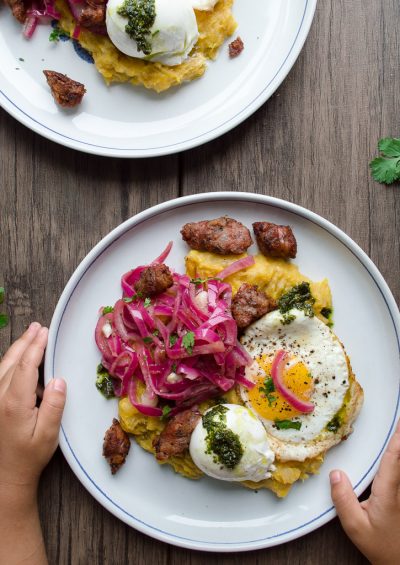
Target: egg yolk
x=272, y=405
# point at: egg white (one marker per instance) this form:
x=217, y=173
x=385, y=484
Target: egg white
x=256, y=462
x=203, y=4
x=174, y=32
x=310, y=341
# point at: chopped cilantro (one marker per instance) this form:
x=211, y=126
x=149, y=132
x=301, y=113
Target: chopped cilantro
x=173, y=338
x=104, y=383
x=287, y=424
x=386, y=168
x=57, y=34
x=199, y=280
x=188, y=342
x=166, y=412
x=299, y=297
x=107, y=310
x=148, y=339
x=147, y=302
x=130, y=299
x=268, y=389
x=156, y=333
x=2, y=292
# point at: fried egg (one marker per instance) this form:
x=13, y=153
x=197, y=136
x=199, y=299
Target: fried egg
x=316, y=370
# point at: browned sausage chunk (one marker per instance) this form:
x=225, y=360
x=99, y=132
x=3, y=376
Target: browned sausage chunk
x=249, y=304
x=94, y=14
x=236, y=47
x=116, y=446
x=175, y=437
x=66, y=92
x=275, y=241
x=154, y=280
x=223, y=236
x=18, y=9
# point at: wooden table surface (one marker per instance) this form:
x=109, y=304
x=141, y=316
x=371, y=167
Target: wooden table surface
x=310, y=144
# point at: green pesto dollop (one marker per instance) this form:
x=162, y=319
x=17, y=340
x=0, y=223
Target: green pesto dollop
x=141, y=16
x=299, y=297
x=104, y=382
x=221, y=442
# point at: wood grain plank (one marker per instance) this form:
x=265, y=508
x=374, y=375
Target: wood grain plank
x=310, y=144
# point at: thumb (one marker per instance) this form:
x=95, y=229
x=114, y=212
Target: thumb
x=350, y=512
x=51, y=410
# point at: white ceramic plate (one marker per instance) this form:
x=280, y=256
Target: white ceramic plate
x=126, y=121
x=209, y=514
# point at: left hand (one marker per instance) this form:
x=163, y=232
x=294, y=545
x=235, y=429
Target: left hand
x=29, y=435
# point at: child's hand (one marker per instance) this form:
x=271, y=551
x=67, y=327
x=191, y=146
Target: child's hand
x=29, y=435
x=373, y=525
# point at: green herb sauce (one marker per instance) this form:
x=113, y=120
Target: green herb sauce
x=141, y=16
x=334, y=424
x=299, y=297
x=104, y=383
x=221, y=441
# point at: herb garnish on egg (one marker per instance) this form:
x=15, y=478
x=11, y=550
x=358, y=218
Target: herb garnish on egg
x=222, y=442
x=141, y=16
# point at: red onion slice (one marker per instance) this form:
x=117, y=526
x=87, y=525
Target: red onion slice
x=277, y=369
x=236, y=266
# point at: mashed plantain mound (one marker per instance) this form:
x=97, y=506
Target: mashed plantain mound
x=275, y=277
x=214, y=27
x=271, y=275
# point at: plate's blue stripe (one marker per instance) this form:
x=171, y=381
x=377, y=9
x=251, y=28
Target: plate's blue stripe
x=173, y=145
x=204, y=544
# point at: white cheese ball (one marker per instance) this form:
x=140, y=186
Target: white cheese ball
x=173, y=34
x=257, y=458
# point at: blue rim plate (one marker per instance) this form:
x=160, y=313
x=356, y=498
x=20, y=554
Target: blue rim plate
x=207, y=514
x=126, y=121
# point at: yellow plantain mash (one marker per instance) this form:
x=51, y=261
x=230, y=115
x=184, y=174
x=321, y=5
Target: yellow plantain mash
x=214, y=27
x=275, y=277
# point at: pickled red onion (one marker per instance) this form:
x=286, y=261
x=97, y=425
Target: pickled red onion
x=277, y=377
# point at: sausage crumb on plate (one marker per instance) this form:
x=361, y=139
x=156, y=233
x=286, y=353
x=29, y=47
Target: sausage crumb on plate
x=66, y=92
x=249, y=304
x=275, y=241
x=236, y=47
x=223, y=236
x=175, y=437
x=116, y=446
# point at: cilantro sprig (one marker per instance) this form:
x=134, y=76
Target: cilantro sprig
x=188, y=342
x=3, y=317
x=386, y=168
x=287, y=424
x=268, y=389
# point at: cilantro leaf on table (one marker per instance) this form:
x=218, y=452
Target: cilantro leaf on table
x=386, y=168
x=3, y=320
x=3, y=317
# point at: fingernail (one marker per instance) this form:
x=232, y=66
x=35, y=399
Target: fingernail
x=59, y=384
x=335, y=477
x=43, y=332
x=34, y=326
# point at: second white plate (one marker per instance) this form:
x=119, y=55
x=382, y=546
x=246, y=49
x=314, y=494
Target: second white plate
x=127, y=121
